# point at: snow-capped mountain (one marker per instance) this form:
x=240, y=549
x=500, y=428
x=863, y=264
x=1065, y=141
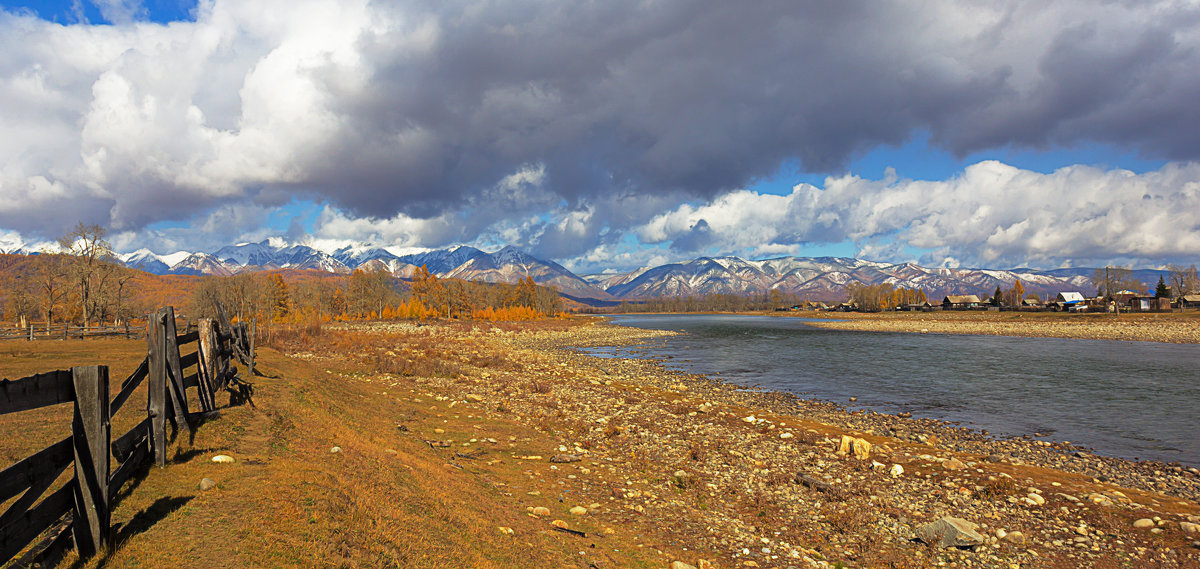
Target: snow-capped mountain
x=278, y=254
x=826, y=277
x=145, y=260
x=818, y=278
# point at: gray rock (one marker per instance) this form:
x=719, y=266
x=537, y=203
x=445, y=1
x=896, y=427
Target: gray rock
x=207, y=484
x=950, y=532
x=565, y=458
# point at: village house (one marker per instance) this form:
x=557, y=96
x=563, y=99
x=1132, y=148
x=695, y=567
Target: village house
x=1189, y=301
x=960, y=302
x=1067, y=301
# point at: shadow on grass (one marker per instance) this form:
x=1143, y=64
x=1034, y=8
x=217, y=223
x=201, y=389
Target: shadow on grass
x=140, y=522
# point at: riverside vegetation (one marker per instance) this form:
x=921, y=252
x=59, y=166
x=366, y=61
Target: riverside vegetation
x=495, y=445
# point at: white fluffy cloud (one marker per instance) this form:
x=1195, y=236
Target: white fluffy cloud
x=992, y=214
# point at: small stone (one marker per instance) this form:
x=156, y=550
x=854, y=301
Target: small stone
x=1189, y=527
x=506, y=529
x=541, y=511
x=1144, y=523
x=1036, y=498
x=439, y=431
x=897, y=470
x=559, y=524
x=578, y=510
x=473, y=398
x=681, y=565
x=335, y=450
x=950, y=532
x=953, y=464
x=222, y=458
x=862, y=449
x=207, y=484
x=785, y=435
x=565, y=458
x=1015, y=537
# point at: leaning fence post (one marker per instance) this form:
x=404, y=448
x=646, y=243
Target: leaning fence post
x=156, y=406
x=90, y=432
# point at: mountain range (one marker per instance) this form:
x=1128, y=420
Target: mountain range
x=817, y=278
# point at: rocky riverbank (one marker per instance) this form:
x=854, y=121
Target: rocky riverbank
x=1177, y=328
x=716, y=476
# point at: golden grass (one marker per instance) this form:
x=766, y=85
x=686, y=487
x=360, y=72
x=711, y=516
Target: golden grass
x=386, y=500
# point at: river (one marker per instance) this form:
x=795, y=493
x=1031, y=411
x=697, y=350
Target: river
x=1138, y=400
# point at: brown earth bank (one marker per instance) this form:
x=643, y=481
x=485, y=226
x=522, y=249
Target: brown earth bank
x=481, y=445
x=1176, y=327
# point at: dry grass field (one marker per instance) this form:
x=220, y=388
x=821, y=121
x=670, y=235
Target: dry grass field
x=406, y=445
x=387, y=499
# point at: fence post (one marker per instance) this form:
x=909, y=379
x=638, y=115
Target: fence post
x=177, y=392
x=90, y=432
x=31, y=331
x=156, y=406
x=204, y=374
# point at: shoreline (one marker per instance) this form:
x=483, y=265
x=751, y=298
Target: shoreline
x=753, y=478
x=1172, y=328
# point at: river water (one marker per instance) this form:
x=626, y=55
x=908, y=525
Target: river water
x=1126, y=399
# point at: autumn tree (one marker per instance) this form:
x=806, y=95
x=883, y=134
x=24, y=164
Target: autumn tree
x=428, y=290
x=90, y=264
x=52, y=281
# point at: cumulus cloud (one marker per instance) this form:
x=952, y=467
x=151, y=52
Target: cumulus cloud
x=992, y=214
x=560, y=126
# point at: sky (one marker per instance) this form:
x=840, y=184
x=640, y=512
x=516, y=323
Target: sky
x=612, y=135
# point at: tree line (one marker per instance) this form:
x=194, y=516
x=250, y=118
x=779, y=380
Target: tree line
x=308, y=297
x=80, y=282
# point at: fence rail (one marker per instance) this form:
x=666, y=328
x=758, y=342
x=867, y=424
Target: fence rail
x=66, y=331
x=79, y=511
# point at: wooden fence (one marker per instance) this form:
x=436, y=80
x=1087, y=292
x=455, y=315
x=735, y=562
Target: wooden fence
x=78, y=512
x=66, y=331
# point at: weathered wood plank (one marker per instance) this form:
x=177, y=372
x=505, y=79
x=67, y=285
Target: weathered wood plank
x=189, y=360
x=204, y=328
x=51, y=549
x=138, y=454
x=123, y=445
x=91, y=432
x=187, y=338
x=41, y=390
x=35, y=491
x=177, y=392
x=129, y=385
x=15, y=536
x=46, y=462
x=156, y=407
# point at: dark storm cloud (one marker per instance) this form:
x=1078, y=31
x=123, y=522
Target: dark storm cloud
x=425, y=108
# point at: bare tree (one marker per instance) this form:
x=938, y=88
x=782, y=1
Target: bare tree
x=91, y=253
x=1111, y=280
x=52, y=284
x=1183, y=281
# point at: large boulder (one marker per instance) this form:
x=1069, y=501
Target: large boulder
x=950, y=532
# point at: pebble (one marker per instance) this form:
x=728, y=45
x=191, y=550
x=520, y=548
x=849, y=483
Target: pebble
x=579, y=510
x=953, y=464
x=565, y=458
x=541, y=511
x=335, y=450
x=559, y=524
x=473, y=398
x=222, y=458
x=681, y=565
x=506, y=529
x=1144, y=523
x=897, y=470
x=207, y=484
x=1189, y=527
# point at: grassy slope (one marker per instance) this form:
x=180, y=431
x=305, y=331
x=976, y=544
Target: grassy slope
x=387, y=499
